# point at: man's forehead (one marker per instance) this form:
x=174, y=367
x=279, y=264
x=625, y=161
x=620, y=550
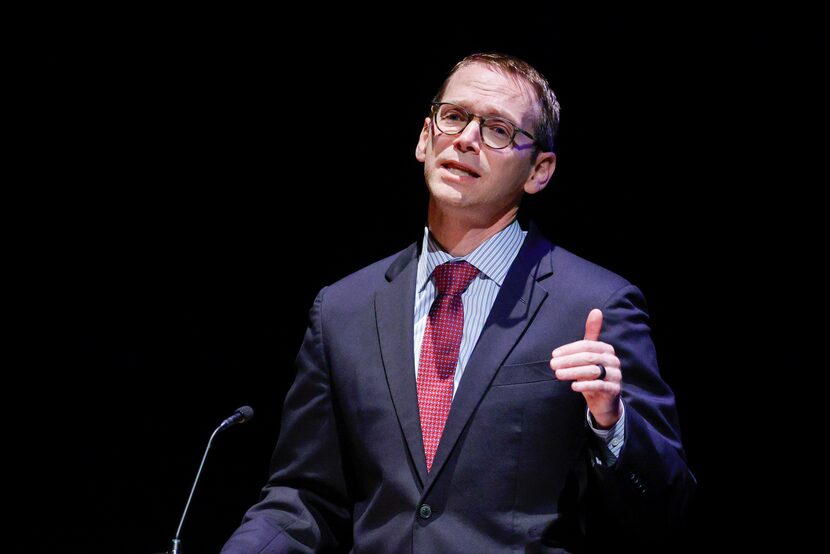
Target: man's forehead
x=495, y=91
x=494, y=79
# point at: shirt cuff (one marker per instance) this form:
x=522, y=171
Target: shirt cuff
x=611, y=439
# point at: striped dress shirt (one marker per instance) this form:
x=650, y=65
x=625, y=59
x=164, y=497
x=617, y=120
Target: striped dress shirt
x=493, y=259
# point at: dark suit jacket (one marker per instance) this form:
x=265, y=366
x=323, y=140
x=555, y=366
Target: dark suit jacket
x=515, y=469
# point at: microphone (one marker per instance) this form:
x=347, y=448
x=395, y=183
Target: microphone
x=241, y=415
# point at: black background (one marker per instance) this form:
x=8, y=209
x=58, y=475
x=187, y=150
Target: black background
x=185, y=183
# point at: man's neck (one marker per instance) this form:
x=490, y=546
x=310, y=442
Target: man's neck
x=459, y=236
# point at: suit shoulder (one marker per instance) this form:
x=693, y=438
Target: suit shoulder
x=362, y=284
x=579, y=273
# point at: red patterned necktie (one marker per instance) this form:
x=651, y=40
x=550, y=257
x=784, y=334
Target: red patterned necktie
x=439, y=351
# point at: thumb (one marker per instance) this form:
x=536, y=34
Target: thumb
x=593, y=325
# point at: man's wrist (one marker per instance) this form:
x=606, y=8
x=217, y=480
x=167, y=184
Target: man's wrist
x=609, y=421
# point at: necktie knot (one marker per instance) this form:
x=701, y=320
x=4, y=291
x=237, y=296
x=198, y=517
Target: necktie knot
x=453, y=278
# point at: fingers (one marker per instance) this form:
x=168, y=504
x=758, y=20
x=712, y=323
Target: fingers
x=584, y=358
x=610, y=388
x=583, y=346
x=593, y=325
x=588, y=373
x=579, y=361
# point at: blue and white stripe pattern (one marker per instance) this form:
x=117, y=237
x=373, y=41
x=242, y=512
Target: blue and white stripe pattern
x=493, y=259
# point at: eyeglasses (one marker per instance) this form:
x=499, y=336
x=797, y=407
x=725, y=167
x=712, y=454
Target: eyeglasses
x=497, y=133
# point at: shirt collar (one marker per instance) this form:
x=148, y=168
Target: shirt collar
x=492, y=258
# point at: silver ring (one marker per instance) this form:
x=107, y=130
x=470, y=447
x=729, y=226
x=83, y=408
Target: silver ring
x=602, y=372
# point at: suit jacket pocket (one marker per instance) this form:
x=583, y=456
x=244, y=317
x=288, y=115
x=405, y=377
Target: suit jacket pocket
x=516, y=374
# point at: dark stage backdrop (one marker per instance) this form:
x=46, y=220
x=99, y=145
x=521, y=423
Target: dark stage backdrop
x=190, y=183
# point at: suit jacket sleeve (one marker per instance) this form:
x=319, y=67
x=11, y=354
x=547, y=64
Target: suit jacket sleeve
x=305, y=506
x=647, y=491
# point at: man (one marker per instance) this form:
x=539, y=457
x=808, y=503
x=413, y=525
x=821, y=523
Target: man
x=483, y=390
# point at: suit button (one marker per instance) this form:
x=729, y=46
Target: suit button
x=425, y=511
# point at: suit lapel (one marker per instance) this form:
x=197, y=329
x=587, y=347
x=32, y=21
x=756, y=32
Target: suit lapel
x=514, y=308
x=394, y=312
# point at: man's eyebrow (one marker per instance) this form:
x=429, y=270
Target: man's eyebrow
x=489, y=111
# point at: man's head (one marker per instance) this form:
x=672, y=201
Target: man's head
x=489, y=138
x=548, y=117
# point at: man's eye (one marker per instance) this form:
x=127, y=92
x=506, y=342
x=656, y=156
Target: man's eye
x=500, y=129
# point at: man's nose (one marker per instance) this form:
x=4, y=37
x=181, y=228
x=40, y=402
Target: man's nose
x=469, y=140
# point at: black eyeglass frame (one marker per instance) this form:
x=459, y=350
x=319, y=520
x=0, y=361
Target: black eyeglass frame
x=481, y=121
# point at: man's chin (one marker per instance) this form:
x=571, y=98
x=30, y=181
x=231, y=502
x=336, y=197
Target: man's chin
x=450, y=196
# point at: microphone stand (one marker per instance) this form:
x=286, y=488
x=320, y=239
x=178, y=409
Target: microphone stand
x=177, y=544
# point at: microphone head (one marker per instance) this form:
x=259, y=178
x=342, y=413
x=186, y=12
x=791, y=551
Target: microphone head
x=246, y=412
x=243, y=414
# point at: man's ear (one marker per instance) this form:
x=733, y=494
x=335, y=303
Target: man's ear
x=423, y=140
x=541, y=173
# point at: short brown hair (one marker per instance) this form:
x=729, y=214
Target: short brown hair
x=546, y=126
